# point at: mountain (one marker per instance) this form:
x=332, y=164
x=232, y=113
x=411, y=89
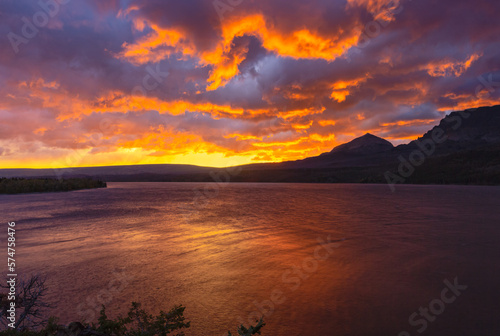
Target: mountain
x=475, y=126
x=365, y=151
x=465, y=130
x=460, y=131
x=463, y=148
x=367, y=144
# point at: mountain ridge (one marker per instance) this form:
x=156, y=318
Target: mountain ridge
x=469, y=154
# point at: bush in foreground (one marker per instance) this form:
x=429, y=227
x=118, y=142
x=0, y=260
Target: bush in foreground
x=137, y=323
x=30, y=320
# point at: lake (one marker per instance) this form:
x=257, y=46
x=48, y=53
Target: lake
x=315, y=259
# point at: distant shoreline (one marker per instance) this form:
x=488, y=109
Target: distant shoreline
x=17, y=185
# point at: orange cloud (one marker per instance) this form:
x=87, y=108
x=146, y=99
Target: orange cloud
x=39, y=94
x=242, y=136
x=325, y=123
x=449, y=67
x=301, y=43
x=156, y=46
x=119, y=101
x=341, y=88
x=414, y=122
x=225, y=66
x=303, y=126
x=464, y=101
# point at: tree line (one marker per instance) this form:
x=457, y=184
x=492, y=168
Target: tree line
x=17, y=185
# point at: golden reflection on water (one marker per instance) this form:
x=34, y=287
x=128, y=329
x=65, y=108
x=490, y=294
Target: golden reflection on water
x=254, y=250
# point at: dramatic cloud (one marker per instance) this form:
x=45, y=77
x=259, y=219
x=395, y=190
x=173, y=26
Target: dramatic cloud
x=218, y=82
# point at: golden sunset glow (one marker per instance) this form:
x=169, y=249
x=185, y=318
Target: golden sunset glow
x=148, y=83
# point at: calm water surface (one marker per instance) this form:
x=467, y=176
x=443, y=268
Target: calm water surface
x=229, y=255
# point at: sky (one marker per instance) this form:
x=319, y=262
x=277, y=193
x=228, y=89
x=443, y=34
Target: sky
x=228, y=82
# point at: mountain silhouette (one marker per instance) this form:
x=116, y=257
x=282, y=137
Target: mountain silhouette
x=464, y=148
x=366, y=144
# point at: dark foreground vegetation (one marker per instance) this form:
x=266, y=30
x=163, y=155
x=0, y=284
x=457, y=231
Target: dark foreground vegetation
x=30, y=185
x=30, y=318
x=137, y=323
